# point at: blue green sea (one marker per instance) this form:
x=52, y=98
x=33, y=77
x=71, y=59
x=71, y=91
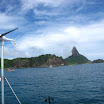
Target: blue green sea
x=76, y=84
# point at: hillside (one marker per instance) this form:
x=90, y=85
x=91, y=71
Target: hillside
x=40, y=61
x=98, y=61
x=76, y=58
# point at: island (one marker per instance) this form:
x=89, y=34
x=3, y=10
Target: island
x=49, y=60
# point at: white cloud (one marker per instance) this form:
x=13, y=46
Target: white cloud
x=53, y=3
x=13, y=53
x=10, y=22
x=46, y=43
x=92, y=33
x=45, y=12
x=31, y=4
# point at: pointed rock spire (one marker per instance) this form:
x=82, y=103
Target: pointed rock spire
x=75, y=52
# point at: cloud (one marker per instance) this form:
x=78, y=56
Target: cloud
x=45, y=12
x=30, y=4
x=13, y=53
x=73, y=12
x=60, y=42
x=10, y=22
x=49, y=7
x=5, y=21
x=46, y=43
x=92, y=33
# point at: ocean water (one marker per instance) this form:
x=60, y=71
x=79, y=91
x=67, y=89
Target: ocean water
x=77, y=84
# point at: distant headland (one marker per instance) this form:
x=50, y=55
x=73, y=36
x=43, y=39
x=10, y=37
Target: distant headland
x=76, y=58
x=49, y=60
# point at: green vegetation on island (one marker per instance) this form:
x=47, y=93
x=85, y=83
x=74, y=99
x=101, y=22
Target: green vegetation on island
x=98, y=61
x=72, y=60
x=40, y=61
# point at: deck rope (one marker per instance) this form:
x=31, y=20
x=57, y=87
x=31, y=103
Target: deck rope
x=12, y=90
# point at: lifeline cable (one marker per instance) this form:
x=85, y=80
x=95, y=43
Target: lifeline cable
x=12, y=90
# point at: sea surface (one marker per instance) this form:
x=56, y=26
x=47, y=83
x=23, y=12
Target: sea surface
x=76, y=84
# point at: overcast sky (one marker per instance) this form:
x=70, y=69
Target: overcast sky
x=53, y=27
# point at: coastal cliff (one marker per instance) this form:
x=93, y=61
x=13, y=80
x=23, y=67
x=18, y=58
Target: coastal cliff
x=48, y=60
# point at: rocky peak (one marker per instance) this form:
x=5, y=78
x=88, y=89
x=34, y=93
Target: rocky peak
x=75, y=52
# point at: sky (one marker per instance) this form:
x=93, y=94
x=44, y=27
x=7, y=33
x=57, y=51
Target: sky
x=53, y=27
